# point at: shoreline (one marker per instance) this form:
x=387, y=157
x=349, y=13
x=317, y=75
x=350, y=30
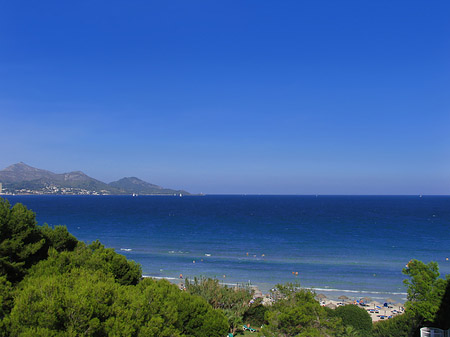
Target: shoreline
x=375, y=306
x=332, y=294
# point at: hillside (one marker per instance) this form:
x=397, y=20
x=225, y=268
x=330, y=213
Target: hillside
x=21, y=178
x=132, y=185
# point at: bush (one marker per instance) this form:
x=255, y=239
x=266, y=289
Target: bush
x=398, y=326
x=255, y=314
x=299, y=314
x=356, y=317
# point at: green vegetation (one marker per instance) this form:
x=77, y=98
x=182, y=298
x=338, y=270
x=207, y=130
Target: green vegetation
x=427, y=303
x=234, y=302
x=53, y=285
x=356, y=317
x=400, y=326
x=425, y=289
x=22, y=243
x=299, y=314
x=255, y=314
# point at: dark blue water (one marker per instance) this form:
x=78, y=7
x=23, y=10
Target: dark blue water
x=338, y=244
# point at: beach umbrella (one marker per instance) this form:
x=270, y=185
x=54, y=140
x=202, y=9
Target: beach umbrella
x=331, y=306
x=321, y=296
x=343, y=297
x=389, y=300
x=367, y=299
x=376, y=304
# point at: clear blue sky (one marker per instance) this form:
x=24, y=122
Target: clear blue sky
x=274, y=97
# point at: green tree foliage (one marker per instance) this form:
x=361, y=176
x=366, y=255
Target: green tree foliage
x=426, y=305
x=442, y=319
x=219, y=296
x=425, y=289
x=6, y=298
x=59, y=238
x=233, y=301
x=21, y=242
x=299, y=314
x=191, y=314
x=82, y=302
x=124, y=271
x=399, y=326
x=72, y=304
x=255, y=314
x=350, y=331
x=93, y=257
x=287, y=289
x=357, y=317
x=6, y=304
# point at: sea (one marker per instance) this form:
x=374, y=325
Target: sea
x=337, y=245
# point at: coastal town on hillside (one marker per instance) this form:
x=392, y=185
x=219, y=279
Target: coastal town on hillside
x=49, y=190
x=22, y=179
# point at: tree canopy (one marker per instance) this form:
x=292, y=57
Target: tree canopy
x=299, y=314
x=427, y=295
x=22, y=243
x=233, y=301
x=425, y=288
x=354, y=316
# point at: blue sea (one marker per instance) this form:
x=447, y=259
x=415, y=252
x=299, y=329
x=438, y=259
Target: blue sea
x=352, y=245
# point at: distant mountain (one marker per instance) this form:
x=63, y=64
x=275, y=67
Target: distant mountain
x=22, y=172
x=135, y=185
x=22, y=178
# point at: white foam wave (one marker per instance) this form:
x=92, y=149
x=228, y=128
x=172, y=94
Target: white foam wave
x=160, y=277
x=357, y=291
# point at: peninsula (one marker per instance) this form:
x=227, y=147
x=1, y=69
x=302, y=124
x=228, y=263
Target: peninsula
x=21, y=178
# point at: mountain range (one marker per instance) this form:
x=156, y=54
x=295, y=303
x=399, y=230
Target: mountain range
x=22, y=178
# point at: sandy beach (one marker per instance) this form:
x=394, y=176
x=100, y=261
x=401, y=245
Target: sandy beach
x=376, y=310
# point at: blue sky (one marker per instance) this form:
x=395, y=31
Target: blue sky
x=274, y=97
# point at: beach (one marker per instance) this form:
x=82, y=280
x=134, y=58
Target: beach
x=377, y=310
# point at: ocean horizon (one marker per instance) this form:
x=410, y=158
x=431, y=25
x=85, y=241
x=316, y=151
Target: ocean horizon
x=338, y=245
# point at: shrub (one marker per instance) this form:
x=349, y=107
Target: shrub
x=355, y=316
x=255, y=314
